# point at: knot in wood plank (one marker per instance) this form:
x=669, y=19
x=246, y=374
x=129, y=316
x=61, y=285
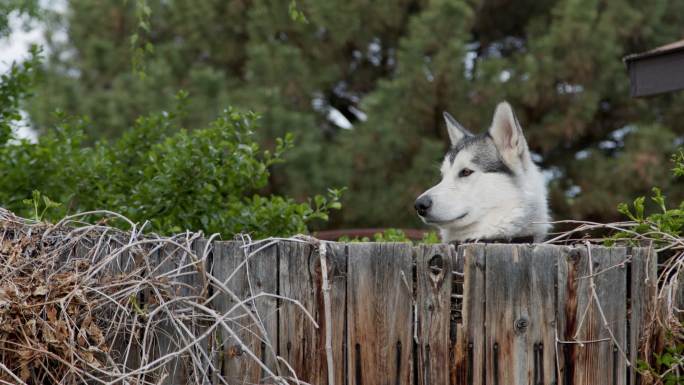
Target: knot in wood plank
x=574, y=255
x=521, y=325
x=436, y=264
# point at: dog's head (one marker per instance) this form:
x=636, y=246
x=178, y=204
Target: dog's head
x=490, y=188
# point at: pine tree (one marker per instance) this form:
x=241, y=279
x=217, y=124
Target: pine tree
x=390, y=69
x=572, y=94
x=394, y=154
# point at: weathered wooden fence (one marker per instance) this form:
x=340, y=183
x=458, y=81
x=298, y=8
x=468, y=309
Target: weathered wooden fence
x=434, y=314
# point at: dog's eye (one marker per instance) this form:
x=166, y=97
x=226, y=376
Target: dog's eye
x=465, y=172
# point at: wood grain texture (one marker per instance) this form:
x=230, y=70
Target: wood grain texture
x=501, y=331
x=379, y=314
x=97, y=251
x=457, y=337
x=592, y=362
x=125, y=350
x=520, y=314
x=189, y=282
x=168, y=261
x=434, y=265
x=199, y=288
x=337, y=257
x=181, y=274
x=643, y=291
x=258, y=275
x=231, y=362
x=263, y=278
x=301, y=344
x=474, y=312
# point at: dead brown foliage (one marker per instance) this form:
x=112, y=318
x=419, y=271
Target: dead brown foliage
x=91, y=304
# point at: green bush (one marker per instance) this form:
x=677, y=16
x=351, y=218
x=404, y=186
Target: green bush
x=393, y=235
x=666, y=223
x=667, y=368
x=665, y=227
x=206, y=179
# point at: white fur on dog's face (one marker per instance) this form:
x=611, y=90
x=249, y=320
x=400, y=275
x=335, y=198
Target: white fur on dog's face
x=459, y=202
x=490, y=188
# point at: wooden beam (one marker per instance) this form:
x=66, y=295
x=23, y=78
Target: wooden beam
x=657, y=71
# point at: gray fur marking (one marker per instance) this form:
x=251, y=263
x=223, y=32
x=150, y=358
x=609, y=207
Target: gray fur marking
x=486, y=156
x=456, y=124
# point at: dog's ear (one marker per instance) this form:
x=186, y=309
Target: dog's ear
x=455, y=129
x=508, y=136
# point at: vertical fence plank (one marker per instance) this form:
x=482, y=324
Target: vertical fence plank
x=613, y=297
x=262, y=277
x=197, y=280
x=337, y=257
x=231, y=359
x=511, y=294
x=379, y=313
x=188, y=282
x=474, y=312
x=598, y=361
x=167, y=338
x=190, y=367
x=433, y=289
x=258, y=275
x=545, y=266
x=642, y=302
x=520, y=314
x=301, y=344
x=457, y=337
x=191, y=283
x=573, y=298
x=148, y=348
x=95, y=251
x=297, y=335
x=127, y=351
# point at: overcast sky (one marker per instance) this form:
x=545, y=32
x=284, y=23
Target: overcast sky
x=15, y=47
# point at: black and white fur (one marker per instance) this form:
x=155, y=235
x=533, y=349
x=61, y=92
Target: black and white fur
x=490, y=187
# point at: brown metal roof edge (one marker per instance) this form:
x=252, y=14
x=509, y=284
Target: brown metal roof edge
x=662, y=50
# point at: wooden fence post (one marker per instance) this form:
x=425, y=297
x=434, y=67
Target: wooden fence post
x=597, y=360
x=531, y=314
x=644, y=286
x=520, y=314
x=257, y=275
x=301, y=344
x=474, y=312
x=379, y=313
x=434, y=265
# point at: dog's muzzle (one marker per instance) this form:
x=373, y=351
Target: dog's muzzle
x=423, y=204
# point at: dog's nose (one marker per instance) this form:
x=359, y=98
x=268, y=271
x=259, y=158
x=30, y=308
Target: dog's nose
x=423, y=204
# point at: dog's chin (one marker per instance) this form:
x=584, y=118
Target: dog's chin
x=439, y=222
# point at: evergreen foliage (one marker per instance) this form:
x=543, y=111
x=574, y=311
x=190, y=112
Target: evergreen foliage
x=389, y=68
x=206, y=179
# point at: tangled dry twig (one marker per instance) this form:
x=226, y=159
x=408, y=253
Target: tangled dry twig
x=92, y=304
x=666, y=318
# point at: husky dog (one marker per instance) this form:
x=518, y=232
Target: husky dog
x=490, y=188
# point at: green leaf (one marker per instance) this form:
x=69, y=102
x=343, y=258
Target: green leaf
x=296, y=14
x=639, y=208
